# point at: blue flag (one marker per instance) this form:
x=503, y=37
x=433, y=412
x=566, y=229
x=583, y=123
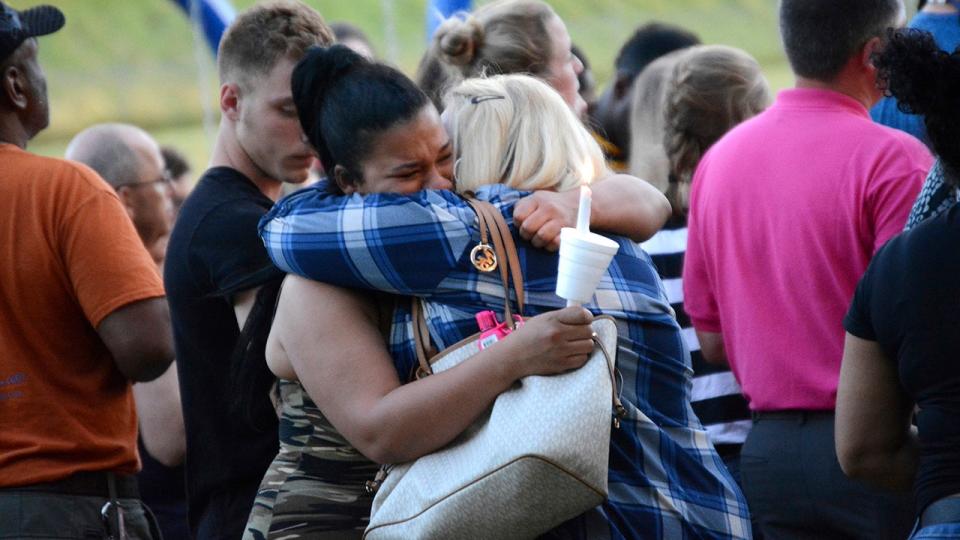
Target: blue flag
x=214, y=17
x=438, y=10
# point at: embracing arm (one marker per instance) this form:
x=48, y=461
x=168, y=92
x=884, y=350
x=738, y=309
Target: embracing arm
x=401, y=244
x=875, y=441
x=351, y=377
x=621, y=204
x=712, y=347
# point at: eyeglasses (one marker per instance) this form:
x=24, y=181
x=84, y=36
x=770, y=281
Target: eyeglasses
x=164, y=180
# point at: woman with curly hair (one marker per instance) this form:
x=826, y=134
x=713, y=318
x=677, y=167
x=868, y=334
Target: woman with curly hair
x=903, y=327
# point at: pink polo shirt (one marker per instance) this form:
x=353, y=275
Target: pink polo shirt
x=785, y=213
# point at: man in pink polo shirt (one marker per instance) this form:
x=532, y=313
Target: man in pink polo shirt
x=786, y=212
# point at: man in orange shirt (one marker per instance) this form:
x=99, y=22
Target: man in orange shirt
x=82, y=313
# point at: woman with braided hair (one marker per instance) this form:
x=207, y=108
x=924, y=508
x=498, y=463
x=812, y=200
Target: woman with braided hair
x=903, y=328
x=713, y=88
x=706, y=91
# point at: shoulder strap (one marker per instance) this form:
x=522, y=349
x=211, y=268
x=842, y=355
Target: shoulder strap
x=493, y=229
x=506, y=250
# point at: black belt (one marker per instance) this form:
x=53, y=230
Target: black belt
x=87, y=484
x=945, y=510
x=790, y=415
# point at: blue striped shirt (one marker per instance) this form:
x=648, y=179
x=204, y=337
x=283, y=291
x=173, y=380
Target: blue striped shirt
x=666, y=480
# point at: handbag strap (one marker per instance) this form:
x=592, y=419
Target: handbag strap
x=492, y=225
x=421, y=338
x=509, y=250
x=619, y=411
x=493, y=231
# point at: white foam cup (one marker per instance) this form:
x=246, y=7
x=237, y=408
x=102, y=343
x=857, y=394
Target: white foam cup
x=584, y=258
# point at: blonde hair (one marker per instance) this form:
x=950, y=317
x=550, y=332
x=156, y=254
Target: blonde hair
x=648, y=158
x=266, y=33
x=713, y=88
x=503, y=37
x=516, y=130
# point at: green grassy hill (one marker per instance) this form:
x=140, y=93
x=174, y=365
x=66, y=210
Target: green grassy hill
x=138, y=60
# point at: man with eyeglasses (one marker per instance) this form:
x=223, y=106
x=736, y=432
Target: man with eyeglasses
x=82, y=313
x=130, y=161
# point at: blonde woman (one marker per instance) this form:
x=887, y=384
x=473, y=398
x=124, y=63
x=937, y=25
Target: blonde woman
x=514, y=132
x=706, y=91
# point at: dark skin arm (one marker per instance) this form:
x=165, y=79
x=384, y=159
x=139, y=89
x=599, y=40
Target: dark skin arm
x=712, y=347
x=875, y=440
x=139, y=337
x=351, y=377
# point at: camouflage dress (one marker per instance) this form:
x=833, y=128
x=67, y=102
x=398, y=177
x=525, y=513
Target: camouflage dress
x=315, y=487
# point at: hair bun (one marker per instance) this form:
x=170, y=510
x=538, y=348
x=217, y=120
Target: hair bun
x=313, y=77
x=457, y=40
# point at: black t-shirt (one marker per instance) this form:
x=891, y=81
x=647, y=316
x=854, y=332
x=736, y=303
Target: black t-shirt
x=215, y=252
x=163, y=489
x=908, y=301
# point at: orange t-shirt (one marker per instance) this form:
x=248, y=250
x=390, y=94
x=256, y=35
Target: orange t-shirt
x=69, y=256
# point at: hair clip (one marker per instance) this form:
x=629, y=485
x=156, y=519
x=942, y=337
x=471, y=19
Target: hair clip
x=481, y=99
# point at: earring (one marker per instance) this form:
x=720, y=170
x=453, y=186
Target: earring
x=456, y=168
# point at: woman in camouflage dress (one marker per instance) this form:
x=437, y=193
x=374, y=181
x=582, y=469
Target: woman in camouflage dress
x=316, y=486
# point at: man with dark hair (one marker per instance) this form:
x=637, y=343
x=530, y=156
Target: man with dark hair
x=350, y=35
x=610, y=115
x=180, y=178
x=82, y=315
x=819, y=41
x=786, y=211
x=217, y=270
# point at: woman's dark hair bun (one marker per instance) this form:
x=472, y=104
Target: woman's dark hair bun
x=313, y=77
x=344, y=101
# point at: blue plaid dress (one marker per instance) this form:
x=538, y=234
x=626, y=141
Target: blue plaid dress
x=666, y=480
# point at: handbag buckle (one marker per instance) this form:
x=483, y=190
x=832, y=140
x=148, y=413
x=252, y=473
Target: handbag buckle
x=618, y=413
x=373, y=485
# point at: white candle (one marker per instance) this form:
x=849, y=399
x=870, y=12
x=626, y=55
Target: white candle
x=583, y=221
x=583, y=213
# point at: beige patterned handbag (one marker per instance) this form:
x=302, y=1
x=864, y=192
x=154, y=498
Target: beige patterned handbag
x=537, y=458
